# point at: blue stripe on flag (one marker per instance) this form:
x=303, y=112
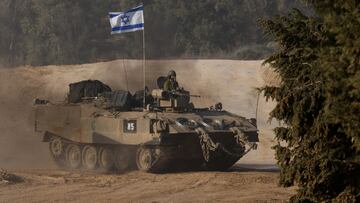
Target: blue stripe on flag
x=140, y=8
x=112, y=15
x=128, y=27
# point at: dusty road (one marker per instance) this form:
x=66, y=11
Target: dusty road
x=253, y=179
x=243, y=183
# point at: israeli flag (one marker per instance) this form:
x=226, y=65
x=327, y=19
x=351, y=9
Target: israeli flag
x=128, y=21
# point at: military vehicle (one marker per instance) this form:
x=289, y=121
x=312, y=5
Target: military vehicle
x=100, y=129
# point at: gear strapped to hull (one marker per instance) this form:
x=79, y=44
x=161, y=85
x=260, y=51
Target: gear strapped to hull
x=206, y=143
x=212, y=151
x=241, y=139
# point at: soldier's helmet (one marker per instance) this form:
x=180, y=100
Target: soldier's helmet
x=171, y=73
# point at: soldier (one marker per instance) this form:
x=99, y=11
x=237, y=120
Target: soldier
x=171, y=84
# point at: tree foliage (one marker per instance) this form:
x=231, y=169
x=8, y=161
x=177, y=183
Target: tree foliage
x=318, y=101
x=40, y=32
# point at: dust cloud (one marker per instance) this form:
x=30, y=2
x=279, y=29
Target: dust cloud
x=231, y=82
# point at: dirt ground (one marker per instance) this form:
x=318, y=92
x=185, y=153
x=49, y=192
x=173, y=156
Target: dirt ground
x=253, y=179
x=243, y=183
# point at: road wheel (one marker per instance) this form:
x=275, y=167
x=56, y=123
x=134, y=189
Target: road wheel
x=73, y=156
x=89, y=157
x=122, y=158
x=106, y=159
x=56, y=146
x=144, y=159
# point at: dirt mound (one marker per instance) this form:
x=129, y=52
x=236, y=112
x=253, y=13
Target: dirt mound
x=229, y=81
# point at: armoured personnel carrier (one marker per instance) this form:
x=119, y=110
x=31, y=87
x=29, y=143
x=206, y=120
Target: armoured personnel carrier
x=100, y=129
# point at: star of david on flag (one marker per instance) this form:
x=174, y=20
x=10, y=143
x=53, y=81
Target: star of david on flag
x=128, y=21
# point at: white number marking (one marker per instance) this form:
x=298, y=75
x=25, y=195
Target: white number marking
x=130, y=127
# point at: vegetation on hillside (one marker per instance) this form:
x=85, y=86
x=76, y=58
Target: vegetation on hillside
x=40, y=32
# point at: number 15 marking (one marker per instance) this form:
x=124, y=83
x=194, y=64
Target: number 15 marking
x=129, y=126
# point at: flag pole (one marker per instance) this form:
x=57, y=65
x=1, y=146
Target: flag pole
x=144, y=63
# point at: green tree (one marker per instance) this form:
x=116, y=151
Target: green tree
x=318, y=101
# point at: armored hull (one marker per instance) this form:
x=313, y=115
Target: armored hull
x=87, y=135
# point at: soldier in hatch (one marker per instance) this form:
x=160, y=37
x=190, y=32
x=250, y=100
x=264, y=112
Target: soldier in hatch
x=171, y=84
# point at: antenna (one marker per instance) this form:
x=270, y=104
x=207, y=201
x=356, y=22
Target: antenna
x=144, y=62
x=257, y=106
x=126, y=79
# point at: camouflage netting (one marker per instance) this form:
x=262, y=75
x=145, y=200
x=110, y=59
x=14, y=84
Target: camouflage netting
x=86, y=88
x=116, y=100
